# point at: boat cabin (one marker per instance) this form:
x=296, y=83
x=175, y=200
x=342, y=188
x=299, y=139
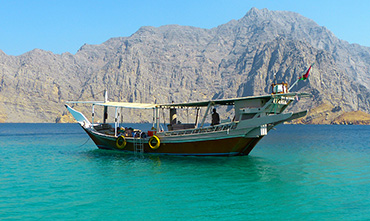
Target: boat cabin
x=280, y=88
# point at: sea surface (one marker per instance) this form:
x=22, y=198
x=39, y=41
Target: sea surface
x=297, y=172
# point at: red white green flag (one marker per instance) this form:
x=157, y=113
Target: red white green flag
x=305, y=76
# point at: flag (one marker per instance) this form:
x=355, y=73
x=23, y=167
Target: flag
x=305, y=76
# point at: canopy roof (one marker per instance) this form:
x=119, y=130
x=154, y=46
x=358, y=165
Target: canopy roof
x=128, y=105
x=230, y=101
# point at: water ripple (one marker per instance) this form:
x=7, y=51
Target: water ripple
x=297, y=172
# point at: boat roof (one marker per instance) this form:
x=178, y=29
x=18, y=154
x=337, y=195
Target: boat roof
x=230, y=101
x=117, y=104
x=128, y=105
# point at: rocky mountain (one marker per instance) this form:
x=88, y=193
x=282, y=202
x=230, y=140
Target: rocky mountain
x=184, y=63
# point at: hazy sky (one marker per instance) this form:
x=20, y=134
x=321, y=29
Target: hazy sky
x=65, y=25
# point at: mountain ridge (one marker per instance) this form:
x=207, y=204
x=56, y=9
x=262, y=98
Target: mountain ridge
x=184, y=63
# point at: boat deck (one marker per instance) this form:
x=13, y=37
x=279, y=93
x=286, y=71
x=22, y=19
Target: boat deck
x=107, y=129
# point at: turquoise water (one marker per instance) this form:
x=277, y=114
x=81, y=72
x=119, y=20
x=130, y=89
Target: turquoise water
x=297, y=172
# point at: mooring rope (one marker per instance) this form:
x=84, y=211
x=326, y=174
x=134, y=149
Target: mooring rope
x=84, y=143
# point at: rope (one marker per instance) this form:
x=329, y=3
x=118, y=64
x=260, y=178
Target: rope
x=84, y=143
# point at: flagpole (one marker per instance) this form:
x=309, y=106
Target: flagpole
x=293, y=84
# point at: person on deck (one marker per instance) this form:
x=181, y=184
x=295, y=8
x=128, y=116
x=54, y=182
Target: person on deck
x=173, y=116
x=215, y=118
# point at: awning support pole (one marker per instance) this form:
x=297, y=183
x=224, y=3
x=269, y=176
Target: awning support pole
x=92, y=114
x=197, y=117
x=105, y=114
x=115, y=122
x=205, y=114
x=121, y=112
x=157, y=118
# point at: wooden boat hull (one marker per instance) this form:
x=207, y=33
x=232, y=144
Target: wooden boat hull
x=254, y=117
x=223, y=146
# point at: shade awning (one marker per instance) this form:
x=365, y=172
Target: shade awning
x=230, y=101
x=128, y=105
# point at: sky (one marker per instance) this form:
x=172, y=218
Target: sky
x=65, y=25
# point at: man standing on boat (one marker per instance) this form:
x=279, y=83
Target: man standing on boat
x=173, y=116
x=215, y=118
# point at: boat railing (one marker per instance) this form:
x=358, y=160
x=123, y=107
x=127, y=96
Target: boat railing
x=209, y=129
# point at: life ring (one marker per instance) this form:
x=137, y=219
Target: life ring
x=154, y=142
x=121, y=142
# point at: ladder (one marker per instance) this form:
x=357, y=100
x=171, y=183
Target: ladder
x=138, y=145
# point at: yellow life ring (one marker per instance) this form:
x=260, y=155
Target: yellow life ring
x=154, y=142
x=121, y=142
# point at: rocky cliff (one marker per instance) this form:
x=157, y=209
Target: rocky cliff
x=183, y=63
